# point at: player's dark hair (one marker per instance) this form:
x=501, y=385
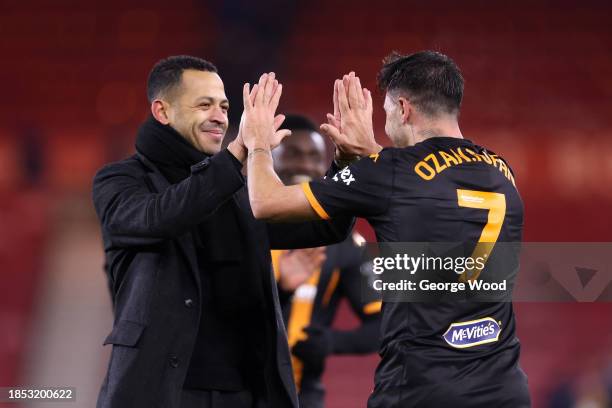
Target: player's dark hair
x=296, y=122
x=167, y=73
x=430, y=80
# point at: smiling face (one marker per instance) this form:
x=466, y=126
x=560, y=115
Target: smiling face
x=300, y=157
x=197, y=109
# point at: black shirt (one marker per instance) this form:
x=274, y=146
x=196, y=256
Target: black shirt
x=440, y=190
x=344, y=274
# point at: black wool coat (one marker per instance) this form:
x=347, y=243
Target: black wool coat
x=148, y=228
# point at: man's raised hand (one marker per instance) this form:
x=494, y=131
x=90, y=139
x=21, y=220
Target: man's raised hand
x=259, y=125
x=350, y=127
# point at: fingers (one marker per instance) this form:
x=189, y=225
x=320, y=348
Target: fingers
x=269, y=87
x=359, y=92
x=300, y=255
x=343, y=103
x=275, y=88
x=317, y=260
x=355, y=92
x=278, y=121
x=276, y=97
x=335, y=135
x=239, y=138
x=263, y=80
x=246, y=97
x=349, y=88
x=332, y=120
x=319, y=251
x=332, y=132
x=267, y=91
x=310, y=259
x=254, y=93
x=317, y=256
x=280, y=135
x=336, y=106
x=346, y=81
x=367, y=97
x=241, y=124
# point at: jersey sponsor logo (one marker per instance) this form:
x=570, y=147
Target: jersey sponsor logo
x=345, y=176
x=472, y=333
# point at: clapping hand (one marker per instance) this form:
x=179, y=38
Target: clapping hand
x=350, y=126
x=296, y=266
x=259, y=125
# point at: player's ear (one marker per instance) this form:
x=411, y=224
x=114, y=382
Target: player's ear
x=159, y=110
x=405, y=108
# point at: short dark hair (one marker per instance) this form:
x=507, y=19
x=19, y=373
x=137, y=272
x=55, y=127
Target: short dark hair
x=431, y=80
x=296, y=122
x=167, y=73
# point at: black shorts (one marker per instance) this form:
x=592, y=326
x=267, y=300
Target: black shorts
x=405, y=380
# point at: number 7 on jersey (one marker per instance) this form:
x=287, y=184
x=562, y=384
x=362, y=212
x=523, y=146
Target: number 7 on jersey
x=495, y=203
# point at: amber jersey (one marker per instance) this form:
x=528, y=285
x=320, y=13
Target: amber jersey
x=343, y=275
x=440, y=190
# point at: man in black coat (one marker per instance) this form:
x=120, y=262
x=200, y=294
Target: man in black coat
x=197, y=318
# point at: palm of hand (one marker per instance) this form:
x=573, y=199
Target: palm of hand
x=259, y=125
x=298, y=265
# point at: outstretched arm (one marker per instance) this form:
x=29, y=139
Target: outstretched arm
x=270, y=199
x=132, y=215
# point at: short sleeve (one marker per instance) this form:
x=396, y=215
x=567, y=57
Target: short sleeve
x=362, y=189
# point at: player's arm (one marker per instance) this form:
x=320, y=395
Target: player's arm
x=322, y=341
x=360, y=190
x=365, y=303
x=132, y=215
x=270, y=199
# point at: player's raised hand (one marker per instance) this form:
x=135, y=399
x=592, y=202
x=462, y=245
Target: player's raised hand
x=237, y=146
x=334, y=119
x=259, y=125
x=278, y=137
x=350, y=128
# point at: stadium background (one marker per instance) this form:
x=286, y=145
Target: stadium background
x=538, y=90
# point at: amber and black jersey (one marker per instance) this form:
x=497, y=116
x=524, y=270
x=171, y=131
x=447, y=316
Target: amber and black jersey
x=440, y=190
x=315, y=304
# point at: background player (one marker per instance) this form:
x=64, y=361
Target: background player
x=310, y=299
x=434, y=186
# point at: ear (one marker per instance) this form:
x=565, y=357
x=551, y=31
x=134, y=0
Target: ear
x=406, y=109
x=159, y=109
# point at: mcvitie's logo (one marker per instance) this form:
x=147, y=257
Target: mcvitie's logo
x=472, y=333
